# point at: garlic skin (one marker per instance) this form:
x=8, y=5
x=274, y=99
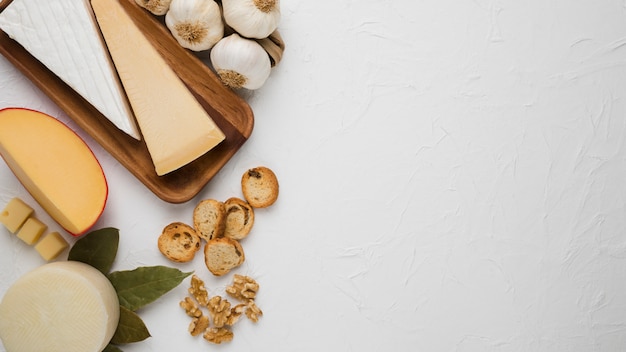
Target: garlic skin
x=240, y=62
x=156, y=7
x=196, y=24
x=252, y=18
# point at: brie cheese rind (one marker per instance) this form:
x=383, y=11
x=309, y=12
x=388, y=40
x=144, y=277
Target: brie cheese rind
x=64, y=37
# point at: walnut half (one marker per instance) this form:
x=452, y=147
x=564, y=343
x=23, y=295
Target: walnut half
x=235, y=313
x=253, y=312
x=191, y=308
x=244, y=288
x=220, y=311
x=198, y=325
x=198, y=291
x=218, y=335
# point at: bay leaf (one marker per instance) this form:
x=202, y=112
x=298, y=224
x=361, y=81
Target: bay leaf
x=97, y=248
x=130, y=328
x=112, y=348
x=141, y=286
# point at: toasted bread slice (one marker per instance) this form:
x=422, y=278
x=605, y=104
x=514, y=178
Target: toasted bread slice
x=260, y=187
x=179, y=242
x=209, y=219
x=223, y=254
x=239, y=218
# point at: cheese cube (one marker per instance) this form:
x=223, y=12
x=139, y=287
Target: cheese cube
x=32, y=230
x=51, y=246
x=15, y=214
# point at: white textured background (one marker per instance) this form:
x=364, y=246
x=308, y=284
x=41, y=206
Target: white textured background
x=452, y=179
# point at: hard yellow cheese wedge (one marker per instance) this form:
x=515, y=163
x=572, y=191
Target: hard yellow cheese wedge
x=175, y=127
x=56, y=167
x=59, y=307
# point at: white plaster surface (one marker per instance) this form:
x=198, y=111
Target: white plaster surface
x=452, y=179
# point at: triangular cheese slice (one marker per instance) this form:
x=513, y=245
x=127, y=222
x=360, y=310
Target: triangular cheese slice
x=175, y=127
x=63, y=36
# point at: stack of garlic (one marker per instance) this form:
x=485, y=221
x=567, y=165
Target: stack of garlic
x=231, y=29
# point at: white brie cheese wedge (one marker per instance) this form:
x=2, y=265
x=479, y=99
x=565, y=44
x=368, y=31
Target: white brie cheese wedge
x=64, y=36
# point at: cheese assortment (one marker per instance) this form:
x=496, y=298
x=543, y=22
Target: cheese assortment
x=63, y=36
x=65, y=306
x=175, y=127
x=55, y=165
x=109, y=62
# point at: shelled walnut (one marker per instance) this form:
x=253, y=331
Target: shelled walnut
x=219, y=309
x=198, y=291
x=190, y=307
x=235, y=313
x=253, y=312
x=218, y=335
x=198, y=325
x=244, y=288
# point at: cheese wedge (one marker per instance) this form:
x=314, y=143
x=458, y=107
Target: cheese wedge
x=64, y=306
x=64, y=36
x=175, y=127
x=55, y=165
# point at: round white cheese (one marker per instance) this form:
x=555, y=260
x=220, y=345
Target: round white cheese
x=62, y=306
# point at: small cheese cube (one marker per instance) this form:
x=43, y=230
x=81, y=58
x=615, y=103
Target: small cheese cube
x=51, y=246
x=15, y=214
x=32, y=230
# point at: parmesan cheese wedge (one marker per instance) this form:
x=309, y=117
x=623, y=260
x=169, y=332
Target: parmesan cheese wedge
x=174, y=126
x=59, y=307
x=64, y=37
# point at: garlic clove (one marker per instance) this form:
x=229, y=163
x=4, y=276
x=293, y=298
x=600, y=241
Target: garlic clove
x=196, y=24
x=240, y=62
x=156, y=7
x=252, y=18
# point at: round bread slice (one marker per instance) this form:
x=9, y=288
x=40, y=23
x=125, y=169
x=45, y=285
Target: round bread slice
x=260, y=187
x=179, y=242
x=223, y=254
x=209, y=219
x=239, y=218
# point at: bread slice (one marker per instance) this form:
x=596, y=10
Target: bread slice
x=223, y=254
x=209, y=219
x=179, y=242
x=239, y=218
x=260, y=187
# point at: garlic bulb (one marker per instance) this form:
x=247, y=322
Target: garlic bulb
x=252, y=18
x=157, y=7
x=196, y=24
x=240, y=62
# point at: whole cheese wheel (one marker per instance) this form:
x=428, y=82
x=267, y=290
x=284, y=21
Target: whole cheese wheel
x=62, y=306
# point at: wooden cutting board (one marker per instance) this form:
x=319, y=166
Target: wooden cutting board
x=231, y=113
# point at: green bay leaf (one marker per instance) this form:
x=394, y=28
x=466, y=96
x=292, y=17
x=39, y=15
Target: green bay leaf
x=130, y=328
x=97, y=248
x=139, y=287
x=112, y=348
